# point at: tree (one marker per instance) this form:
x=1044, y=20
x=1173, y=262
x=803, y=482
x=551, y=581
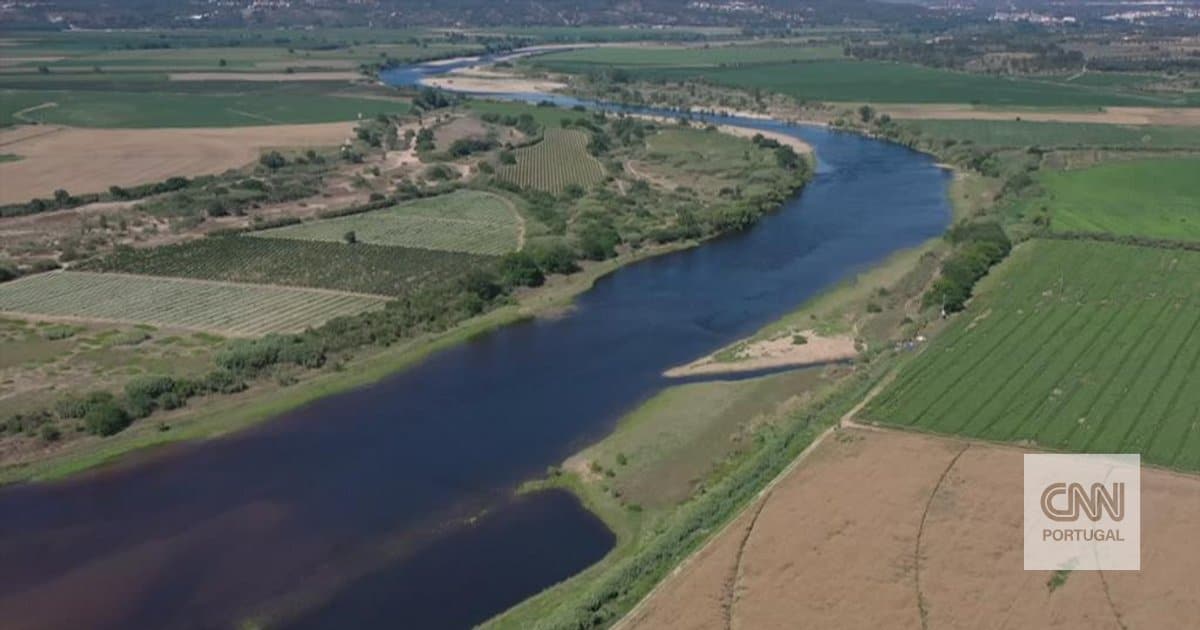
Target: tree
x=519, y=269
x=222, y=63
x=866, y=113
x=62, y=196
x=350, y=237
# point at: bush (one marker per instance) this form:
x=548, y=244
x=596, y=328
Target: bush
x=106, y=419
x=554, y=258
x=519, y=269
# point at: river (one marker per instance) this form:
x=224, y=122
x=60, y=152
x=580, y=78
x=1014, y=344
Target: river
x=392, y=505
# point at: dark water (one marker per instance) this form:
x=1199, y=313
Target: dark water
x=356, y=511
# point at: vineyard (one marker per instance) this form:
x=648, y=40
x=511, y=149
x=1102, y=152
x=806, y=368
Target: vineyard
x=361, y=267
x=1072, y=345
x=463, y=221
x=230, y=309
x=559, y=160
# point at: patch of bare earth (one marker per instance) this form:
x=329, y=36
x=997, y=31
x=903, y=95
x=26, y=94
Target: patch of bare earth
x=1181, y=116
x=889, y=529
x=92, y=160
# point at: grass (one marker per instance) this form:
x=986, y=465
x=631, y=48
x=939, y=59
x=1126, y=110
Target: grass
x=361, y=267
x=560, y=160
x=464, y=221
x=1070, y=345
x=88, y=108
x=880, y=82
x=1157, y=198
x=709, y=161
x=1019, y=134
x=686, y=431
x=228, y=309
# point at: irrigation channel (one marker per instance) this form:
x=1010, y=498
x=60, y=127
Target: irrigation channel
x=393, y=505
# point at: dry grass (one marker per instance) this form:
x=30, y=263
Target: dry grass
x=845, y=541
x=91, y=160
x=1109, y=115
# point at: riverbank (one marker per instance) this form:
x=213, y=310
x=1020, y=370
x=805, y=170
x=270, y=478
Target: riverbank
x=744, y=416
x=220, y=415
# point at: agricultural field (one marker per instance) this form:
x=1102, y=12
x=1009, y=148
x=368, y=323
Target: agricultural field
x=560, y=160
x=168, y=108
x=358, y=268
x=583, y=59
x=1150, y=198
x=92, y=160
x=467, y=221
x=951, y=503
x=1020, y=134
x=1069, y=345
x=224, y=308
x=878, y=82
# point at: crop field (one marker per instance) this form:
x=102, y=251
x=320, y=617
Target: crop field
x=580, y=60
x=1015, y=134
x=880, y=82
x=1152, y=198
x=464, y=221
x=1072, y=345
x=559, y=160
x=89, y=108
x=360, y=268
x=967, y=569
x=226, y=308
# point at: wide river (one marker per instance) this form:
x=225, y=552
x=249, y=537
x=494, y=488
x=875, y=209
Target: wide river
x=393, y=505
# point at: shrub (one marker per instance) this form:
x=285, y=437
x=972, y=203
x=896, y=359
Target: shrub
x=519, y=269
x=106, y=419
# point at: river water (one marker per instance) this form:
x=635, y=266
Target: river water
x=392, y=505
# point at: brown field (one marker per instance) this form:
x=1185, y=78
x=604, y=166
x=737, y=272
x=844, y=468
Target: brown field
x=1111, y=115
x=264, y=76
x=878, y=529
x=91, y=160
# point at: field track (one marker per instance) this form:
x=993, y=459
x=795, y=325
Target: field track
x=218, y=307
x=953, y=516
x=91, y=160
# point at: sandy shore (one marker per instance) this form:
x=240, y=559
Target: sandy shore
x=773, y=353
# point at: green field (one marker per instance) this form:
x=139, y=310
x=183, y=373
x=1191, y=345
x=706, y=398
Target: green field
x=87, y=108
x=709, y=161
x=1019, y=134
x=463, y=221
x=1072, y=345
x=874, y=81
x=361, y=268
x=226, y=308
x=689, y=56
x=1152, y=198
x=559, y=160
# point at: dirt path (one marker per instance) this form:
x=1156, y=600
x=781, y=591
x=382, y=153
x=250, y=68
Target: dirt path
x=20, y=115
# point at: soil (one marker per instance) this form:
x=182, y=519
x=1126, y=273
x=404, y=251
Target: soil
x=902, y=530
x=91, y=160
